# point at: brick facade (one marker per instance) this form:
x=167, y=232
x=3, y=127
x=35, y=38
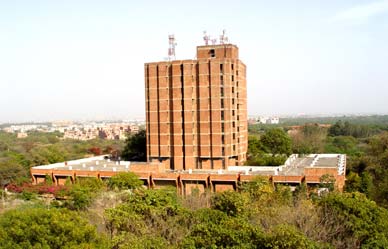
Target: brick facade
x=196, y=110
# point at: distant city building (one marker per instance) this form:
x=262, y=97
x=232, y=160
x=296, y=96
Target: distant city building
x=25, y=128
x=112, y=131
x=70, y=130
x=22, y=135
x=268, y=120
x=62, y=123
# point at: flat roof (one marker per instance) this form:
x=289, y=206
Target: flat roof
x=294, y=166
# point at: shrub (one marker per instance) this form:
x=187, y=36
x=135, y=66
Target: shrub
x=125, y=180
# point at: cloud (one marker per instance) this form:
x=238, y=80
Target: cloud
x=361, y=13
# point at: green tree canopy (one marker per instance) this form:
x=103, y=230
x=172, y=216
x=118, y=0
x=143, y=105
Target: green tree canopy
x=125, y=180
x=46, y=228
x=361, y=219
x=230, y=202
x=135, y=147
x=276, y=141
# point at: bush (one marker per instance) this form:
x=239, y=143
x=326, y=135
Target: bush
x=46, y=228
x=230, y=202
x=125, y=180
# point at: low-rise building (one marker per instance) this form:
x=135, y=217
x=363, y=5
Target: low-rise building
x=310, y=170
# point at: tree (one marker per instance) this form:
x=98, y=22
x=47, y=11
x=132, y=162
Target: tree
x=366, y=183
x=343, y=145
x=362, y=221
x=47, y=228
x=145, y=214
x=310, y=139
x=336, y=129
x=254, y=146
x=9, y=172
x=353, y=182
x=230, y=202
x=276, y=141
x=125, y=180
x=346, y=128
x=288, y=237
x=82, y=193
x=135, y=147
x=214, y=229
x=95, y=151
x=259, y=189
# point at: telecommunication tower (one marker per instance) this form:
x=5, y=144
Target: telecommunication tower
x=171, y=47
x=223, y=37
x=206, y=38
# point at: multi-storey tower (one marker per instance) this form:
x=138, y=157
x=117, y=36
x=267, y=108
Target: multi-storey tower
x=196, y=110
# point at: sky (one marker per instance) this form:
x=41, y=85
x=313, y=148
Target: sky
x=84, y=60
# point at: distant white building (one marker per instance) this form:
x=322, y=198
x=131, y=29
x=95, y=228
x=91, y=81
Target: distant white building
x=274, y=120
x=268, y=120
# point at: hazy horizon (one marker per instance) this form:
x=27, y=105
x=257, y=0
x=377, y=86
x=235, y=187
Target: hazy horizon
x=84, y=60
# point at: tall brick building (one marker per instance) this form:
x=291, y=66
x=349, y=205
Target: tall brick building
x=196, y=110
x=196, y=113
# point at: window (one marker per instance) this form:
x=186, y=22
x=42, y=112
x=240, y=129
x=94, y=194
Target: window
x=222, y=127
x=232, y=67
x=212, y=53
x=223, y=139
x=222, y=103
x=221, y=68
x=232, y=78
x=222, y=115
x=233, y=102
x=234, y=135
x=222, y=92
x=234, y=124
x=232, y=112
x=232, y=89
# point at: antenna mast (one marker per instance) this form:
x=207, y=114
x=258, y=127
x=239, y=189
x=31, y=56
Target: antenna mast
x=171, y=47
x=206, y=38
x=223, y=37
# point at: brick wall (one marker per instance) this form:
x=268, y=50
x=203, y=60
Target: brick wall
x=196, y=110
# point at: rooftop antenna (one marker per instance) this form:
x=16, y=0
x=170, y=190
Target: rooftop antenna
x=214, y=41
x=223, y=37
x=206, y=38
x=171, y=47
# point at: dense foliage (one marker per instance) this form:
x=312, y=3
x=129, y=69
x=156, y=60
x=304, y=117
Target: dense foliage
x=125, y=180
x=119, y=213
x=366, y=147
x=270, y=148
x=37, y=227
x=135, y=147
x=17, y=155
